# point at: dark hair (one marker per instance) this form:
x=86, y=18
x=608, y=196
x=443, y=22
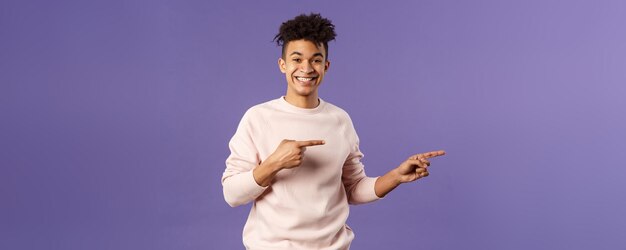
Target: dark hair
x=312, y=27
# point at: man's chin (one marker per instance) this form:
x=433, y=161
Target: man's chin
x=304, y=90
x=305, y=93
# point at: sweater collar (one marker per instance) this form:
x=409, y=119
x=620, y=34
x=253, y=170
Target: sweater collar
x=284, y=105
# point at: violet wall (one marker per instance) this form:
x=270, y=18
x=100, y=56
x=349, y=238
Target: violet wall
x=115, y=118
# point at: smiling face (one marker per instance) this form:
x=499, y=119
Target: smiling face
x=304, y=67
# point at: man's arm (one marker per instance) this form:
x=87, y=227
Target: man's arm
x=243, y=181
x=238, y=184
x=287, y=155
x=414, y=168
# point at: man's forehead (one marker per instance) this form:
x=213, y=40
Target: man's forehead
x=304, y=47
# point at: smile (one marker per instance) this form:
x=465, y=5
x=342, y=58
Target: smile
x=305, y=79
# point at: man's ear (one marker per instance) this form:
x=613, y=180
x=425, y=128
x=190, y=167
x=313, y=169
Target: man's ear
x=281, y=65
x=326, y=65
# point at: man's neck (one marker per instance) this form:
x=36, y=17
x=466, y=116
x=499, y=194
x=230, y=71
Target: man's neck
x=306, y=102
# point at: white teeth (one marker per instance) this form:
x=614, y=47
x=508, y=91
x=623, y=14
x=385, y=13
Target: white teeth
x=304, y=79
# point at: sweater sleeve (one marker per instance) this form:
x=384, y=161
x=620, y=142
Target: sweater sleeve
x=359, y=187
x=238, y=182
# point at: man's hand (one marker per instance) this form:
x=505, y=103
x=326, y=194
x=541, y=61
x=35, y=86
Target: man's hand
x=416, y=166
x=288, y=154
x=410, y=170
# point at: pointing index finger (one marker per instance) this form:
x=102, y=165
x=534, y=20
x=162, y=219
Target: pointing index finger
x=433, y=154
x=310, y=143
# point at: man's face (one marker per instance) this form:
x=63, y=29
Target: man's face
x=304, y=67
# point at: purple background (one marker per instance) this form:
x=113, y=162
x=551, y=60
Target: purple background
x=115, y=119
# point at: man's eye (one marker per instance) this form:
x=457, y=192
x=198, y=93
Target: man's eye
x=318, y=61
x=297, y=60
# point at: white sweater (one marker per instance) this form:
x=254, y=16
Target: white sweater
x=305, y=207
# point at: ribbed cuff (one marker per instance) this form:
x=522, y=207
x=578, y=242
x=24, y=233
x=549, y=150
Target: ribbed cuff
x=250, y=186
x=366, y=191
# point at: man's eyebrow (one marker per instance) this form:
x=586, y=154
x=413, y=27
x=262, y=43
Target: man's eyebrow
x=300, y=54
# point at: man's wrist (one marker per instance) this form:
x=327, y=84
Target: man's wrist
x=271, y=167
x=396, y=177
x=264, y=173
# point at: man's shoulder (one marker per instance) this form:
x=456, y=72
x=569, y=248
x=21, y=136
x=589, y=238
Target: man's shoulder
x=263, y=107
x=340, y=112
x=332, y=107
x=260, y=109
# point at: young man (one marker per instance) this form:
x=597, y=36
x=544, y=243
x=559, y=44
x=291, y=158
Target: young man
x=297, y=157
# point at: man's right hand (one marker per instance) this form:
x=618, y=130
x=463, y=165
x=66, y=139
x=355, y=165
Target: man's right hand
x=288, y=154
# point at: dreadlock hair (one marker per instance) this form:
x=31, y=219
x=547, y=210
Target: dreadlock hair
x=312, y=27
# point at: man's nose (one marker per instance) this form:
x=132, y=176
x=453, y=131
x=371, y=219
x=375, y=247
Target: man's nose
x=306, y=68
